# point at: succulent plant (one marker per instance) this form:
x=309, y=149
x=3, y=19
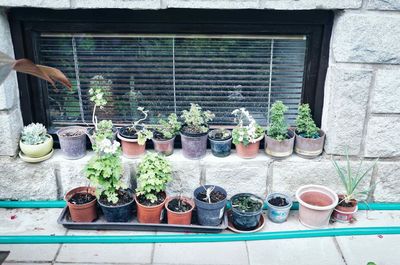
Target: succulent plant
x=33, y=134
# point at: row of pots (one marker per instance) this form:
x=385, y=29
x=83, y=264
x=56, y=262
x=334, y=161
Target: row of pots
x=73, y=145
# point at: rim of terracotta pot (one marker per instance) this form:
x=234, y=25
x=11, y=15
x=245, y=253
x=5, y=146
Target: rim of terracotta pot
x=71, y=128
x=126, y=139
x=341, y=197
x=257, y=140
x=186, y=199
x=68, y=196
x=154, y=206
x=343, y=212
x=317, y=188
x=320, y=131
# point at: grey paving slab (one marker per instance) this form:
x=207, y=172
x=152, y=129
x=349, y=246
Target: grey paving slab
x=31, y=253
x=305, y=251
x=381, y=249
x=201, y=253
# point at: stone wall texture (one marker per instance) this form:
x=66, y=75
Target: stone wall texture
x=361, y=109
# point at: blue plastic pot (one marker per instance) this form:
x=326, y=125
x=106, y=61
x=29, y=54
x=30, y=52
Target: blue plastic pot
x=210, y=214
x=278, y=214
x=220, y=148
x=246, y=220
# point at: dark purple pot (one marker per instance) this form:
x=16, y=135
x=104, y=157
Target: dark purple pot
x=73, y=146
x=194, y=147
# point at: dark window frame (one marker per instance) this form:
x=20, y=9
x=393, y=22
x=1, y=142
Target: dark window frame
x=26, y=22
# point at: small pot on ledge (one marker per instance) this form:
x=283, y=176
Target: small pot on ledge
x=250, y=150
x=129, y=143
x=309, y=147
x=72, y=142
x=279, y=149
x=163, y=146
x=194, y=145
x=221, y=142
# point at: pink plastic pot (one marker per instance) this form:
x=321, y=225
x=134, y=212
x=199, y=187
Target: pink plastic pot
x=343, y=216
x=316, y=204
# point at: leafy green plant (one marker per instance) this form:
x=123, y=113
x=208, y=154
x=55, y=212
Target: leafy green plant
x=140, y=128
x=104, y=170
x=100, y=90
x=351, y=179
x=170, y=127
x=278, y=128
x=305, y=125
x=153, y=175
x=246, y=203
x=34, y=134
x=196, y=120
x=247, y=130
x=104, y=130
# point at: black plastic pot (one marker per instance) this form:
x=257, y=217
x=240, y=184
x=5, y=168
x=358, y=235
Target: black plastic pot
x=210, y=214
x=73, y=146
x=246, y=220
x=220, y=147
x=120, y=213
x=194, y=146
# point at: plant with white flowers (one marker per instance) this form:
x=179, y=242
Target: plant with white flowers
x=99, y=91
x=104, y=170
x=247, y=130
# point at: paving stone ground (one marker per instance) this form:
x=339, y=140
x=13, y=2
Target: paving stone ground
x=349, y=250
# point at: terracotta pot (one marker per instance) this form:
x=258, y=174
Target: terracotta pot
x=81, y=212
x=165, y=147
x=279, y=149
x=309, y=147
x=180, y=218
x=344, y=214
x=149, y=214
x=131, y=148
x=37, y=150
x=316, y=204
x=250, y=150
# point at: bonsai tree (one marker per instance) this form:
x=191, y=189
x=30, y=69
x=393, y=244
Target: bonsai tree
x=168, y=128
x=34, y=134
x=278, y=128
x=99, y=91
x=247, y=130
x=305, y=125
x=104, y=170
x=140, y=128
x=154, y=173
x=196, y=120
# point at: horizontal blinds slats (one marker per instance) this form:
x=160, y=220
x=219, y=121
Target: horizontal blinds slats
x=220, y=74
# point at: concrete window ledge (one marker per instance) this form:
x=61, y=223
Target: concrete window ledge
x=51, y=179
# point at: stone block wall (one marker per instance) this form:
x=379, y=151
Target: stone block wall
x=361, y=108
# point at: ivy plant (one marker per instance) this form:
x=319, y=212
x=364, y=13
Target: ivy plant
x=153, y=175
x=196, y=120
x=247, y=130
x=104, y=170
x=34, y=134
x=100, y=90
x=305, y=125
x=278, y=128
x=170, y=127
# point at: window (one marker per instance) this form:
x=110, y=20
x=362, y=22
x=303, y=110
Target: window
x=163, y=60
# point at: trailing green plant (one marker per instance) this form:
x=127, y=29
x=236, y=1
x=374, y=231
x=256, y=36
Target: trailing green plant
x=104, y=170
x=100, y=90
x=104, y=130
x=246, y=203
x=34, y=134
x=278, y=128
x=153, y=175
x=247, y=130
x=305, y=125
x=170, y=127
x=142, y=132
x=351, y=179
x=196, y=120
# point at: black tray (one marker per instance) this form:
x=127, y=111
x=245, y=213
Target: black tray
x=134, y=225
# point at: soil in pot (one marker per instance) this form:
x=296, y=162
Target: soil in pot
x=150, y=212
x=82, y=204
x=179, y=211
x=122, y=210
x=215, y=196
x=344, y=211
x=278, y=201
x=246, y=211
x=210, y=212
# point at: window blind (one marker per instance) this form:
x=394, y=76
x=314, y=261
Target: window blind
x=165, y=73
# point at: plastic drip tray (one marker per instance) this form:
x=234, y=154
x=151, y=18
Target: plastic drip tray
x=133, y=225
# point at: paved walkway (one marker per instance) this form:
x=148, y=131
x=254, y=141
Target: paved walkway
x=349, y=250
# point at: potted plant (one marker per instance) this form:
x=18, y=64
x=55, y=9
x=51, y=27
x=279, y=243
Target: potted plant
x=153, y=174
x=221, y=142
x=316, y=204
x=210, y=202
x=179, y=210
x=194, y=131
x=247, y=134
x=35, y=141
x=246, y=211
x=81, y=203
x=72, y=141
x=164, y=134
x=104, y=170
x=279, y=139
x=309, y=138
x=99, y=92
x=134, y=137
x=350, y=179
x=279, y=205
